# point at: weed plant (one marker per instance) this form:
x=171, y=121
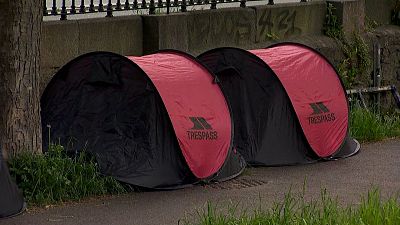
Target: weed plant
x=54, y=177
x=366, y=125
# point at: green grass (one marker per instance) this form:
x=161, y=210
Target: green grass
x=296, y=211
x=54, y=177
x=368, y=126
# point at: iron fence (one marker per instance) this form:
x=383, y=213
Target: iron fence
x=63, y=8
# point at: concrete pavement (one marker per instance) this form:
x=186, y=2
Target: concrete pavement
x=377, y=165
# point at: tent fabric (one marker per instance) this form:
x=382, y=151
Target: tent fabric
x=349, y=148
x=168, y=120
x=266, y=132
x=304, y=112
x=140, y=130
x=196, y=107
x=11, y=200
x=315, y=91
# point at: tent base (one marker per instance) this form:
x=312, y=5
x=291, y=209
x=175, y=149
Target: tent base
x=255, y=164
x=350, y=148
x=21, y=211
x=232, y=168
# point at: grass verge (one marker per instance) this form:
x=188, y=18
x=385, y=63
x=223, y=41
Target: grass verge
x=296, y=211
x=54, y=177
x=368, y=126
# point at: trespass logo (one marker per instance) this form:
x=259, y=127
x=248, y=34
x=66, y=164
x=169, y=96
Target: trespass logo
x=201, y=130
x=321, y=114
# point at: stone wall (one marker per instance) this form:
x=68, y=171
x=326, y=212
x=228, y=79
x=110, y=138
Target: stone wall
x=350, y=13
x=379, y=10
x=283, y=21
x=199, y=31
x=62, y=41
x=389, y=38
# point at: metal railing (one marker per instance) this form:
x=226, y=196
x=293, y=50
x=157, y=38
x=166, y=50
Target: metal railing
x=74, y=7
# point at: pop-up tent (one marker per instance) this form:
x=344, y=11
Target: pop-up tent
x=11, y=200
x=156, y=121
x=288, y=104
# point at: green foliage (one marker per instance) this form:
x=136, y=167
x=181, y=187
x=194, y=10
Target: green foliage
x=294, y=210
x=368, y=126
x=54, y=177
x=332, y=27
x=347, y=72
x=357, y=60
x=272, y=36
x=371, y=24
x=356, y=52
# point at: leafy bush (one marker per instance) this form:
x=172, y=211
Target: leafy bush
x=54, y=177
x=357, y=60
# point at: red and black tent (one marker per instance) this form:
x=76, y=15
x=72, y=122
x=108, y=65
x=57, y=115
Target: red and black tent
x=288, y=103
x=161, y=120
x=157, y=121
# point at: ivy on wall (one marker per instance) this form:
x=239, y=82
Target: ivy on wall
x=357, y=60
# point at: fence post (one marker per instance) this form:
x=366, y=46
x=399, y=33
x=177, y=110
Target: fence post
x=243, y=3
x=377, y=74
x=152, y=9
x=126, y=6
x=73, y=9
x=91, y=6
x=168, y=5
x=118, y=6
x=54, y=8
x=109, y=9
x=213, y=4
x=82, y=8
x=271, y=2
x=63, y=11
x=183, y=6
x=44, y=8
x=144, y=4
x=101, y=8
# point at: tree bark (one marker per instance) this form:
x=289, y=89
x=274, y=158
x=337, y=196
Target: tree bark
x=20, y=30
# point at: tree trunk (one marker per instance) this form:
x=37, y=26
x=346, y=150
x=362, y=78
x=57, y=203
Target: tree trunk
x=20, y=30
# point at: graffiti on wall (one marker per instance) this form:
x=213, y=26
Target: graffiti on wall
x=273, y=24
x=221, y=29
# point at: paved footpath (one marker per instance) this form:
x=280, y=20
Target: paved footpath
x=377, y=165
